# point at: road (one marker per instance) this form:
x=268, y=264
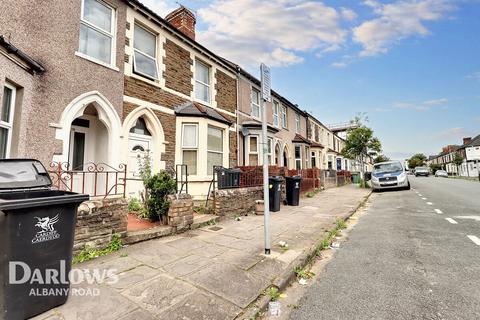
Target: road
x=414, y=255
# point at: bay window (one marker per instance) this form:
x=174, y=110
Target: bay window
x=276, y=110
x=97, y=28
x=284, y=117
x=202, y=82
x=145, y=52
x=255, y=103
x=214, y=148
x=253, y=150
x=6, y=120
x=190, y=146
x=314, y=159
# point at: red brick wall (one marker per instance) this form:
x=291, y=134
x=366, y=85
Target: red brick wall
x=226, y=87
x=178, y=75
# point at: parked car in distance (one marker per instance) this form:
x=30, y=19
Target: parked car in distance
x=441, y=173
x=389, y=175
x=422, y=171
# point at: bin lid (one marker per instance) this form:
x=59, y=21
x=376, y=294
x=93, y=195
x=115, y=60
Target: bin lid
x=23, y=174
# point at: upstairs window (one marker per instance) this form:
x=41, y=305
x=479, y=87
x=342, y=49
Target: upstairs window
x=202, y=82
x=145, y=52
x=6, y=120
x=276, y=118
x=284, y=117
x=297, y=123
x=97, y=31
x=215, y=148
x=255, y=103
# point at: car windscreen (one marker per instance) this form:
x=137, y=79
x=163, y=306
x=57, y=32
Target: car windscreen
x=420, y=168
x=387, y=167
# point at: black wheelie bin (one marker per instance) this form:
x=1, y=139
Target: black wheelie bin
x=275, y=192
x=293, y=190
x=37, y=227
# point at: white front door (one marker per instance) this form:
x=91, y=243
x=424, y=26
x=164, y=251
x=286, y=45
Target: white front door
x=139, y=146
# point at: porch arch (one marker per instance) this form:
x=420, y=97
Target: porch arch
x=286, y=156
x=154, y=126
x=106, y=114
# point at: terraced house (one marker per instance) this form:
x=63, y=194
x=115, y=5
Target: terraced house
x=106, y=82
x=288, y=145
x=180, y=99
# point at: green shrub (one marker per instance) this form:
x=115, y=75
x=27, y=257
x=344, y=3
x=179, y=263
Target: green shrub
x=159, y=186
x=134, y=205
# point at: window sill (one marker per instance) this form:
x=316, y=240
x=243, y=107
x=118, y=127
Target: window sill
x=96, y=61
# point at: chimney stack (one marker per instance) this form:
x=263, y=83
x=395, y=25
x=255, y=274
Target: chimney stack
x=184, y=20
x=467, y=140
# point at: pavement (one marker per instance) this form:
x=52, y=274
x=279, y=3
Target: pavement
x=216, y=272
x=413, y=255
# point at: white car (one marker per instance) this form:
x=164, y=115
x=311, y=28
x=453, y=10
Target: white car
x=389, y=175
x=441, y=173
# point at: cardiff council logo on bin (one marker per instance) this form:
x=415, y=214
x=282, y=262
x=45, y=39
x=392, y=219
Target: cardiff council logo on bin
x=47, y=230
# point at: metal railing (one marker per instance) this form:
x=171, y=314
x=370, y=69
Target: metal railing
x=95, y=179
x=181, y=177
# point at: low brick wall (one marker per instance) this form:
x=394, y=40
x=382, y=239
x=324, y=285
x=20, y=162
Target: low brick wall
x=98, y=220
x=180, y=212
x=232, y=202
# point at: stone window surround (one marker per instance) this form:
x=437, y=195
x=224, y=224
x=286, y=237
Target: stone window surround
x=139, y=25
x=113, y=35
x=252, y=104
x=276, y=113
x=284, y=117
x=297, y=123
x=211, y=80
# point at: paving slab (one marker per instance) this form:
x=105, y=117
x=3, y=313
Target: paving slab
x=213, y=272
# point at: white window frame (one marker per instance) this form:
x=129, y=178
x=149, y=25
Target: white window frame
x=314, y=157
x=284, y=117
x=145, y=54
x=297, y=122
x=8, y=125
x=256, y=105
x=249, y=148
x=297, y=159
x=223, y=142
x=276, y=113
x=112, y=36
x=190, y=148
x=209, y=98
x=270, y=150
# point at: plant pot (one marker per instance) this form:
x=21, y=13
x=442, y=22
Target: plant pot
x=259, y=207
x=274, y=308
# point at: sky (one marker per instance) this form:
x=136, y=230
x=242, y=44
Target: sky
x=411, y=66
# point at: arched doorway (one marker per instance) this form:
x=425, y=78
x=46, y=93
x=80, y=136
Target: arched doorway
x=277, y=154
x=285, y=157
x=144, y=135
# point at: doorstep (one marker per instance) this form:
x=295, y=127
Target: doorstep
x=199, y=220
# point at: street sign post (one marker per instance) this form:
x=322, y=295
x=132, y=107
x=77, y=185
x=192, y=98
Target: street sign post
x=266, y=96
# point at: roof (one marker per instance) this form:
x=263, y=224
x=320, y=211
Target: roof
x=136, y=4
x=253, y=124
x=299, y=139
x=331, y=150
x=195, y=109
x=475, y=142
x=314, y=144
x=11, y=49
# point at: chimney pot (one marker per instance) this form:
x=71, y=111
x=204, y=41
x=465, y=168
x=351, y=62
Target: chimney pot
x=184, y=20
x=467, y=140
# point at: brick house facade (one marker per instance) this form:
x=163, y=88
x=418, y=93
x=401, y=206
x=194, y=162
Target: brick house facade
x=189, y=94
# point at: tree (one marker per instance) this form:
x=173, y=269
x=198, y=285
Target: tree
x=457, y=160
x=359, y=141
x=381, y=158
x=417, y=160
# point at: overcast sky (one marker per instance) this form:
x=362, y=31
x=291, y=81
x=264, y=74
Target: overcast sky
x=413, y=66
